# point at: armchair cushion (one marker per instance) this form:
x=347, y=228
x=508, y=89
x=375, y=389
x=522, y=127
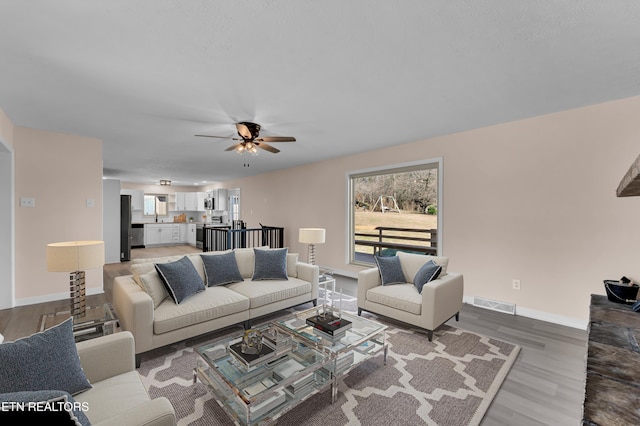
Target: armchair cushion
x=153, y=285
x=46, y=360
x=429, y=272
x=390, y=270
x=180, y=278
x=411, y=263
x=220, y=269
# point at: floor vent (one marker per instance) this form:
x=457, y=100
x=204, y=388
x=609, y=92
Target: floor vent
x=494, y=305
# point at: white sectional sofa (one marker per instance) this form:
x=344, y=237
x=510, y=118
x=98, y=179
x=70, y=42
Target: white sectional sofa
x=156, y=320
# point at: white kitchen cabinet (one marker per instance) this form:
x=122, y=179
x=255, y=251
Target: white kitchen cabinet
x=183, y=232
x=175, y=235
x=190, y=201
x=180, y=201
x=137, y=198
x=200, y=196
x=160, y=233
x=191, y=234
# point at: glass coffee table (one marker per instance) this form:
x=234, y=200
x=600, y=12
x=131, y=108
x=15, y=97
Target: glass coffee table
x=297, y=362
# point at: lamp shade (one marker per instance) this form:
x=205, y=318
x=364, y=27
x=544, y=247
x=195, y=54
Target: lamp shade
x=75, y=256
x=311, y=235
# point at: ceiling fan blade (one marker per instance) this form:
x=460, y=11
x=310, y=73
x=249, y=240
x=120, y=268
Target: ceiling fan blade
x=234, y=147
x=277, y=139
x=244, y=131
x=218, y=137
x=267, y=147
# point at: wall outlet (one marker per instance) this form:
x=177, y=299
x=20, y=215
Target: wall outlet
x=516, y=284
x=27, y=202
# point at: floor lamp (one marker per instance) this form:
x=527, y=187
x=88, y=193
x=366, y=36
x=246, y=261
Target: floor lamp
x=311, y=236
x=75, y=257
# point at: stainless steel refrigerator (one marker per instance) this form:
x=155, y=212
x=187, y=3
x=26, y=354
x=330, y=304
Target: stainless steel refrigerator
x=125, y=227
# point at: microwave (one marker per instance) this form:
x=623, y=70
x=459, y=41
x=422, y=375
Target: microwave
x=209, y=204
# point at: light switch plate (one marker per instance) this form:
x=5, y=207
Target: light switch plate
x=90, y=202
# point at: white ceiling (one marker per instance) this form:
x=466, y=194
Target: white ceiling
x=341, y=76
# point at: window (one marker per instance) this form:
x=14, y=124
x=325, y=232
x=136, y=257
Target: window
x=394, y=208
x=155, y=204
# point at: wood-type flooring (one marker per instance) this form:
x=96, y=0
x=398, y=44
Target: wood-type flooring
x=544, y=387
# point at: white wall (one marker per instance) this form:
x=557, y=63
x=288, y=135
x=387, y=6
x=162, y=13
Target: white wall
x=61, y=172
x=111, y=220
x=532, y=200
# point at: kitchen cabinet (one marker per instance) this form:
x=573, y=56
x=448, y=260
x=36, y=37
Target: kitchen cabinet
x=183, y=232
x=137, y=198
x=190, y=201
x=191, y=234
x=160, y=233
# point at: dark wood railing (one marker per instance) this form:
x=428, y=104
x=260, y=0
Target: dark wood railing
x=221, y=238
x=388, y=238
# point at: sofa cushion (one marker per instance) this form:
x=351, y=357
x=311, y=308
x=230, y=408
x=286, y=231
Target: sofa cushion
x=216, y=302
x=153, y=285
x=428, y=272
x=180, y=279
x=221, y=269
x=245, y=260
x=270, y=264
x=143, y=266
x=292, y=264
x=411, y=263
x=404, y=297
x=43, y=361
x=44, y=407
x=262, y=293
x=114, y=396
x=390, y=270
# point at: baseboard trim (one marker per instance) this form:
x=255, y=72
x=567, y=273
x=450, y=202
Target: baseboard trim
x=543, y=316
x=53, y=297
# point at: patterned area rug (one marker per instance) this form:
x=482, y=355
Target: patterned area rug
x=450, y=381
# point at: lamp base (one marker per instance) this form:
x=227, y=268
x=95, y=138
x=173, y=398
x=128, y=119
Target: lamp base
x=311, y=254
x=78, y=297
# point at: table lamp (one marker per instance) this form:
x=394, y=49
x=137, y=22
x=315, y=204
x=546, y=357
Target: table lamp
x=75, y=257
x=311, y=236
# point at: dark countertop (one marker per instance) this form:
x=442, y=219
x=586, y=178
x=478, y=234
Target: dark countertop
x=612, y=390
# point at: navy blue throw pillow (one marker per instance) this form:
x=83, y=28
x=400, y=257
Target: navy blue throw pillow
x=43, y=361
x=270, y=264
x=180, y=278
x=428, y=272
x=390, y=270
x=220, y=269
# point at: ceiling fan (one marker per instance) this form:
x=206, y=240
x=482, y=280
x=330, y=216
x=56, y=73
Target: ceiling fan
x=250, y=140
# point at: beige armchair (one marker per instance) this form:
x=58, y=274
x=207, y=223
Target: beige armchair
x=440, y=300
x=118, y=396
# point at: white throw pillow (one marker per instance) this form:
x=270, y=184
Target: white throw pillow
x=153, y=285
x=292, y=265
x=411, y=263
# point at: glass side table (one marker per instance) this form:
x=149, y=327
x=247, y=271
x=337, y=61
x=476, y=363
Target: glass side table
x=97, y=321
